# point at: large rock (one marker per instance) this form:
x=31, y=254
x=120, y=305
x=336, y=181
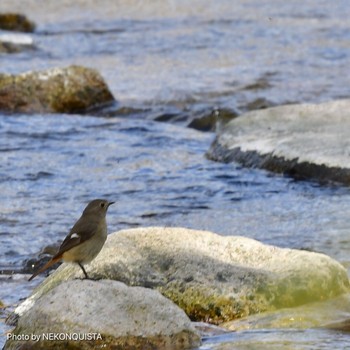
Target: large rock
x=211, y=277
x=307, y=140
x=104, y=314
x=58, y=90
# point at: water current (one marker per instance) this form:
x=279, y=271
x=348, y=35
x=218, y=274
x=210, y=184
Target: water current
x=173, y=55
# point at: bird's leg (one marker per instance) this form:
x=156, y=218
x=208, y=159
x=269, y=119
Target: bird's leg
x=82, y=267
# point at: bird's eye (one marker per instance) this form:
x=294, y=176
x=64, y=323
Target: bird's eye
x=102, y=205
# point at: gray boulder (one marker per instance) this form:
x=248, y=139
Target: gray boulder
x=306, y=141
x=211, y=277
x=103, y=314
x=57, y=90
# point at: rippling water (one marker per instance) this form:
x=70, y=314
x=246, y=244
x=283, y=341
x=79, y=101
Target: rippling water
x=179, y=52
x=173, y=53
x=267, y=339
x=53, y=164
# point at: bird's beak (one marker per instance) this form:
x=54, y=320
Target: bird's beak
x=110, y=203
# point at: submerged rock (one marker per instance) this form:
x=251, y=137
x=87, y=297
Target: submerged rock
x=16, y=22
x=209, y=330
x=57, y=90
x=342, y=326
x=261, y=83
x=332, y=314
x=258, y=103
x=305, y=141
x=104, y=314
x=211, y=277
x=213, y=120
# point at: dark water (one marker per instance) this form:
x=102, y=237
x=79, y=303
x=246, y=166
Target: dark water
x=174, y=55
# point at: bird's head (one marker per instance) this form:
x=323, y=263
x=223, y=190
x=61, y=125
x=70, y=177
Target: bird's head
x=97, y=207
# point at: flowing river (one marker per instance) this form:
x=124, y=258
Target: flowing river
x=173, y=56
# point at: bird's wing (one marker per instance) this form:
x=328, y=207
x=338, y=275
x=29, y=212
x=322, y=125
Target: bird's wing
x=80, y=232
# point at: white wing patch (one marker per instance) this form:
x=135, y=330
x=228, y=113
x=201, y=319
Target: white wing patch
x=74, y=235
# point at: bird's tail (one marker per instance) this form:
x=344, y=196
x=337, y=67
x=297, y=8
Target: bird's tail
x=54, y=260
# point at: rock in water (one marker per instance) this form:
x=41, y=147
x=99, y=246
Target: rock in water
x=214, y=120
x=14, y=42
x=212, y=278
x=331, y=314
x=57, y=90
x=16, y=22
x=305, y=141
x=104, y=314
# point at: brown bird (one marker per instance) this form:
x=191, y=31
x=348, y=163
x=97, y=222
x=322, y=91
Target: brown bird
x=85, y=239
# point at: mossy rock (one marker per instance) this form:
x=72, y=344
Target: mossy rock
x=212, y=278
x=58, y=90
x=16, y=22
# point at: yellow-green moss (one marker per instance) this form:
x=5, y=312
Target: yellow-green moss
x=202, y=304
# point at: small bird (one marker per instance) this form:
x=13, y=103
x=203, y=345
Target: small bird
x=85, y=239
